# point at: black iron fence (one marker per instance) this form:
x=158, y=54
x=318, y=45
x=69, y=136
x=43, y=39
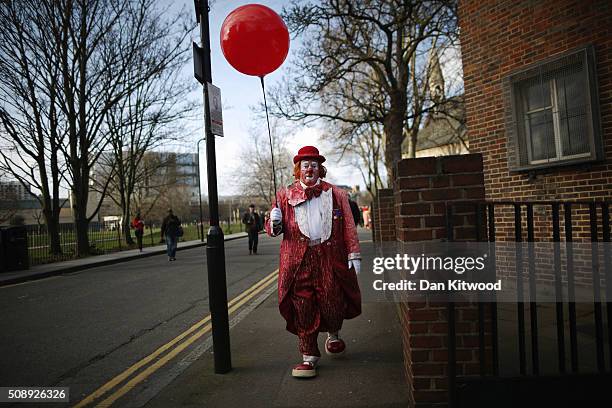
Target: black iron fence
x=533, y=329
x=103, y=238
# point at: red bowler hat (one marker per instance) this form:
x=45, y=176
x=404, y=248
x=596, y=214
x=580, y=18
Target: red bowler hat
x=308, y=152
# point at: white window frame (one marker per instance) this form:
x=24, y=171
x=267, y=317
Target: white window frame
x=519, y=147
x=554, y=108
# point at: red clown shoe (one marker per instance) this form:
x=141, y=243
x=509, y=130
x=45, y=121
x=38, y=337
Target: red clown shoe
x=334, y=346
x=305, y=369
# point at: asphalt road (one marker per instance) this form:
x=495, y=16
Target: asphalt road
x=84, y=328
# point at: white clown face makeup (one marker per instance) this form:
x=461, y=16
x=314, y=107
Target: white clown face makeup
x=309, y=172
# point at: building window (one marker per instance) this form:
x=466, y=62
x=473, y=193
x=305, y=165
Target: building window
x=555, y=115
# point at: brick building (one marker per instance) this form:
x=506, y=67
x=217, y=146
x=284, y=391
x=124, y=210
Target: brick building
x=540, y=72
x=538, y=93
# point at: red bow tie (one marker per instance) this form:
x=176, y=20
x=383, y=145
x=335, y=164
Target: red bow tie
x=313, y=191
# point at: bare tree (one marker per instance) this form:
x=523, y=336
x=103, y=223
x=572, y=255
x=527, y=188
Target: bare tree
x=361, y=63
x=76, y=60
x=366, y=151
x=31, y=127
x=254, y=176
x=144, y=120
x=161, y=186
x=113, y=47
x=175, y=198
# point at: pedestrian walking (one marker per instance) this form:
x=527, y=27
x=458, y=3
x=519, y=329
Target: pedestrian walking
x=366, y=217
x=319, y=259
x=171, y=230
x=356, y=212
x=138, y=227
x=252, y=221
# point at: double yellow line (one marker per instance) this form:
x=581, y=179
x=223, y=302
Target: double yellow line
x=195, y=332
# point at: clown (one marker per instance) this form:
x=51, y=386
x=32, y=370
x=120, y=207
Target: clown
x=319, y=259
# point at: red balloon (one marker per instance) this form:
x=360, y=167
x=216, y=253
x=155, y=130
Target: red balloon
x=254, y=39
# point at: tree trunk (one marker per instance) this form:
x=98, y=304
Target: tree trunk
x=82, y=236
x=413, y=143
x=50, y=202
x=393, y=128
x=52, y=223
x=55, y=247
x=81, y=222
x=125, y=227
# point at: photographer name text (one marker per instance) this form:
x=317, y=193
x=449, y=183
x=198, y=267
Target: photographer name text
x=425, y=285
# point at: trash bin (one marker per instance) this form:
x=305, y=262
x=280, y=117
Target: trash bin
x=14, y=249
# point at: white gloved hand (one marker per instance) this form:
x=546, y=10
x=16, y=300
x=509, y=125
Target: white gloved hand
x=355, y=263
x=276, y=216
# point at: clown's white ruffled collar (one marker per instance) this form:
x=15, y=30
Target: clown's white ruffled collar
x=304, y=186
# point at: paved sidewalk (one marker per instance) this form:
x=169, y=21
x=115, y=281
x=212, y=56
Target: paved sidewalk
x=57, y=268
x=370, y=374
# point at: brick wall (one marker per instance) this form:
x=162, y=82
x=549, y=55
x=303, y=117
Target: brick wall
x=386, y=214
x=425, y=339
x=384, y=218
x=374, y=220
x=425, y=186
x=423, y=189
x=499, y=38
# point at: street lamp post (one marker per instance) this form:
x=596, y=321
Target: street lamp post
x=215, y=249
x=200, y=190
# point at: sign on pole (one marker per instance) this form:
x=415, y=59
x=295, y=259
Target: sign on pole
x=216, y=114
x=198, y=65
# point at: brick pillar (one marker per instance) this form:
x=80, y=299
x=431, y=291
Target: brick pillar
x=374, y=221
x=422, y=189
x=386, y=214
x=383, y=215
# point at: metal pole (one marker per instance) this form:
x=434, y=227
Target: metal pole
x=215, y=251
x=200, y=191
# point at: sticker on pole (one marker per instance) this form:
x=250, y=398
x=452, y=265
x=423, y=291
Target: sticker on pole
x=216, y=114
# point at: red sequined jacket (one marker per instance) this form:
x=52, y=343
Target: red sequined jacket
x=339, y=242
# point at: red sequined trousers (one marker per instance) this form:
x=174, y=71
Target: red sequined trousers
x=318, y=301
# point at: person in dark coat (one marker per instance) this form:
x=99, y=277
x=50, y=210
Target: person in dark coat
x=356, y=212
x=170, y=231
x=253, y=224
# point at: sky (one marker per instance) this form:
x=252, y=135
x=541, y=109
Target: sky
x=240, y=93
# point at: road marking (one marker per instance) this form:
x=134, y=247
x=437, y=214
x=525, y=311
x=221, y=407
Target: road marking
x=233, y=305
x=157, y=383
x=164, y=360
x=161, y=362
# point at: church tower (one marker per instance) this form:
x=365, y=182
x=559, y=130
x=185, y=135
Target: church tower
x=436, y=79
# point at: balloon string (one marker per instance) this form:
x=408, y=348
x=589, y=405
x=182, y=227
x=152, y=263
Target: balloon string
x=270, y=138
